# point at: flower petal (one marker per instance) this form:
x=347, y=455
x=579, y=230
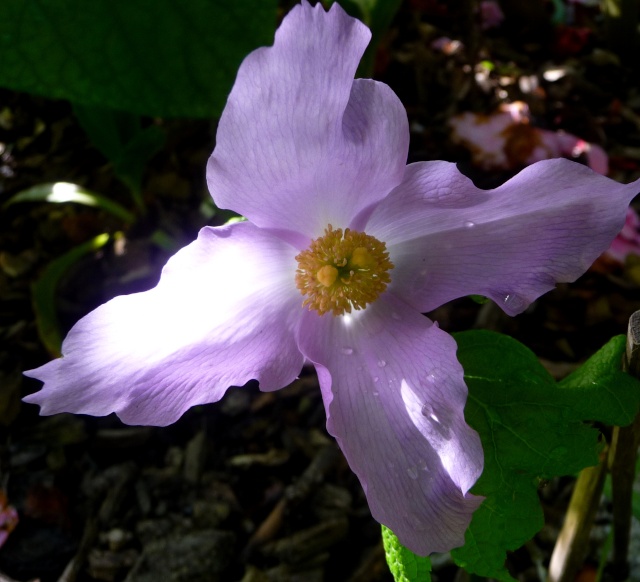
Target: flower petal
x=448, y=239
x=300, y=145
x=220, y=315
x=394, y=394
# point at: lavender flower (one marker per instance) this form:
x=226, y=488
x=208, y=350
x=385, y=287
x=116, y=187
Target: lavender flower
x=345, y=247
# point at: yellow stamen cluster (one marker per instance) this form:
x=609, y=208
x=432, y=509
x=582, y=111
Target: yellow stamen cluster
x=340, y=271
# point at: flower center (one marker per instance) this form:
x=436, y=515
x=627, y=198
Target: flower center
x=340, y=271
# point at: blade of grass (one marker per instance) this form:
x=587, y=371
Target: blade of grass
x=43, y=292
x=61, y=192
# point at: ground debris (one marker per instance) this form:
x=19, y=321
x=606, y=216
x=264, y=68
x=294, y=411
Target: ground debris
x=193, y=557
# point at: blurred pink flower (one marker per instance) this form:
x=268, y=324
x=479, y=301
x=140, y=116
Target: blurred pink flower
x=446, y=45
x=8, y=518
x=506, y=140
x=628, y=240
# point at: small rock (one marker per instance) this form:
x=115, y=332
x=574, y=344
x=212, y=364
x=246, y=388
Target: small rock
x=210, y=513
x=194, y=557
x=110, y=566
x=195, y=457
x=117, y=538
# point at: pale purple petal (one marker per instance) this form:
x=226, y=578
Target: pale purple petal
x=394, y=394
x=448, y=239
x=300, y=145
x=222, y=314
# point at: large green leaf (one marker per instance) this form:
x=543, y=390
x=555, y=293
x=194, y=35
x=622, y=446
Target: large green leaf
x=121, y=138
x=151, y=57
x=531, y=427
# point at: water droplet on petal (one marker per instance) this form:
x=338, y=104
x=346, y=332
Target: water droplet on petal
x=428, y=412
x=376, y=393
x=396, y=315
x=347, y=351
x=376, y=378
x=469, y=224
x=514, y=302
x=412, y=472
x=381, y=363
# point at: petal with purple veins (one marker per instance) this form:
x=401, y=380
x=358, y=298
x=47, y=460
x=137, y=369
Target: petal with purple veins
x=223, y=313
x=300, y=145
x=394, y=394
x=448, y=239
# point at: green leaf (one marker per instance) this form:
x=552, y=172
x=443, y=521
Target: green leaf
x=531, y=428
x=62, y=192
x=610, y=391
x=109, y=130
x=120, y=137
x=131, y=163
x=480, y=299
x=403, y=563
x=150, y=57
x=43, y=292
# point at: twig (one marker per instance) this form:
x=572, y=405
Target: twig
x=114, y=495
x=571, y=547
x=313, y=475
x=622, y=462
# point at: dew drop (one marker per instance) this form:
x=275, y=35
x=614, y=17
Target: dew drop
x=412, y=472
x=381, y=363
x=396, y=315
x=513, y=301
x=469, y=224
x=428, y=412
x=376, y=393
x=347, y=351
x=376, y=378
